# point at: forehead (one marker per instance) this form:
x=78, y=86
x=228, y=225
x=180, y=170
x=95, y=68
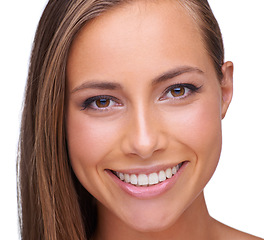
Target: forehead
x=138, y=35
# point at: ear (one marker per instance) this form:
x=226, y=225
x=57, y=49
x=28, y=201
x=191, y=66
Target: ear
x=227, y=86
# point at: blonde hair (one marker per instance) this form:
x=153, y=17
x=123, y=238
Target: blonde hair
x=52, y=203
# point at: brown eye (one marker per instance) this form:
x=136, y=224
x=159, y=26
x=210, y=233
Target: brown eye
x=102, y=103
x=177, y=91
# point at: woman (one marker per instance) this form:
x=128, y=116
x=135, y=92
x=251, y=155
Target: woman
x=121, y=128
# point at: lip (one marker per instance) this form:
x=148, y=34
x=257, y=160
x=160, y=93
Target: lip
x=146, y=170
x=147, y=192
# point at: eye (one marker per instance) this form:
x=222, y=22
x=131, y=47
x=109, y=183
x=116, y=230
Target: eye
x=179, y=91
x=100, y=103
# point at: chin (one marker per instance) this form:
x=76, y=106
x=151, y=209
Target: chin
x=150, y=226
x=152, y=221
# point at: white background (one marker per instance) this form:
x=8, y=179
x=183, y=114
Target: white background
x=235, y=194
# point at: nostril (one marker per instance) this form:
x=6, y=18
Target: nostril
x=144, y=135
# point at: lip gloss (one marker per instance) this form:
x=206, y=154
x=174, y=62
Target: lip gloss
x=144, y=192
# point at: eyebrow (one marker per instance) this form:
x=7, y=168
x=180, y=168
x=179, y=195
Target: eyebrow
x=174, y=73
x=105, y=85
x=98, y=85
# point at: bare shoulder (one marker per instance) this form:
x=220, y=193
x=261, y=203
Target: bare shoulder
x=227, y=233
x=244, y=236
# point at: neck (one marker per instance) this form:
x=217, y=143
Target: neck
x=194, y=223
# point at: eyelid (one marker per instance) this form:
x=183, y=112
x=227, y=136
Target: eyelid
x=193, y=88
x=87, y=103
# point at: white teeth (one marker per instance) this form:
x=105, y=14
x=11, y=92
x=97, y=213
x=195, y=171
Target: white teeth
x=127, y=178
x=133, y=179
x=168, y=173
x=162, y=176
x=142, y=180
x=148, y=180
x=178, y=167
x=121, y=176
x=153, y=179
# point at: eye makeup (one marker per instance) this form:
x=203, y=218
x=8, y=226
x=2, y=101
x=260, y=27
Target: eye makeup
x=100, y=102
x=179, y=91
x=106, y=102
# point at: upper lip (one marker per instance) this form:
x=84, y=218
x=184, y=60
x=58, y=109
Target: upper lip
x=146, y=170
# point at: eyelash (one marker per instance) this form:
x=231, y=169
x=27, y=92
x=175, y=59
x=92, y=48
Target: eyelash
x=87, y=104
x=189, y=88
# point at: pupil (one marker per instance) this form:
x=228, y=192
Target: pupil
x=179, y=91
x=102, y=102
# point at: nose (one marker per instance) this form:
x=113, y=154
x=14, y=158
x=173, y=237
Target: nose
x=144, y=135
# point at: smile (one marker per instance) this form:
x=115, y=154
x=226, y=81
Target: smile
x=145, y=180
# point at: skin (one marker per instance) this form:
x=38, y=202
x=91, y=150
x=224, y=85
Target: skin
x=130, y=47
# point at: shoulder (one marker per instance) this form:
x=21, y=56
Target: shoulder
x=244, y=236
x=227, y=233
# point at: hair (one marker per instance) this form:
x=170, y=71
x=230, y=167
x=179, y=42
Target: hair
x=52, y=204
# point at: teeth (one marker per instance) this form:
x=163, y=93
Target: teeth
x=162, y=176
x=168, y=173
x=121, y=176
x=127, y=178
x=142, y=180
x=153, y=179
x=148, y=180
x=178, y=166
x=133, y=179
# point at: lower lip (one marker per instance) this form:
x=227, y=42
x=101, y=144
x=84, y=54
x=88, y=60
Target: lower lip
x=151, y=191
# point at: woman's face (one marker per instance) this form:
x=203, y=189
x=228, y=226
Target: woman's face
x=144, y=103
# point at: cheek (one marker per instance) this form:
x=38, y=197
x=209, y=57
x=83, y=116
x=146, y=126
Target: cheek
x=198, y=127
x=206, y=139
x=204, y=128
x=89, y=141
